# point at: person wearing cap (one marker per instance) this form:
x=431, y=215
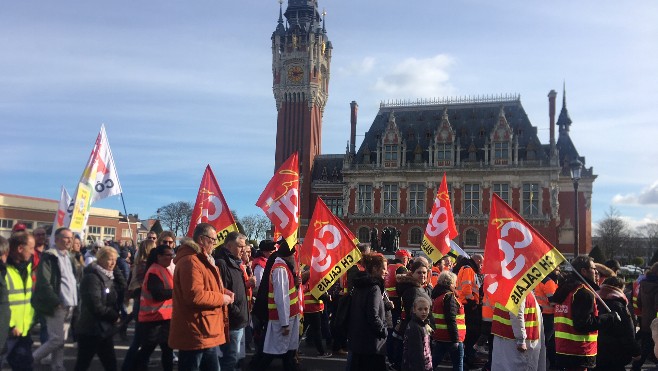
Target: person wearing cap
x=283, y=309
x=19, y=227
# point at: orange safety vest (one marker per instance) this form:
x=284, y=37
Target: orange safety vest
x=568, y=341
x=295, y=307
x=434, y=278
x=637, y=310
x=391, y=281
x=441, y=332
x=149, y=309
x=467, y=287
x=543, y=291
x=502, y=325
x=311, y=304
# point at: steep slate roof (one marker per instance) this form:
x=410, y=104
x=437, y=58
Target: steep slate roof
x=328, y=168
x=472, y=122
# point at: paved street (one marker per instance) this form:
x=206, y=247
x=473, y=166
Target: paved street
x=309, y=363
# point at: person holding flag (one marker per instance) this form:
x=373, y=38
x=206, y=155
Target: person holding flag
x=518, y=338
x=283, y=309
x=577, y=318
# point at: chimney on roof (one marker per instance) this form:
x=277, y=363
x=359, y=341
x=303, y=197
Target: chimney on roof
x=551, y=115
x=354, y=108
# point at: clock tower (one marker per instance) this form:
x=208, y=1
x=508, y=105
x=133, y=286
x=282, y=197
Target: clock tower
x=301, y=57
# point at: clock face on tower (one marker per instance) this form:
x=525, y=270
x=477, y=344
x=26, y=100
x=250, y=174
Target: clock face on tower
x=295, y=74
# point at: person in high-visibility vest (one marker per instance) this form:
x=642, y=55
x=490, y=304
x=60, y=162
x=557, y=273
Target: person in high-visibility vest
x=5, y=312
x=313, y=311
x=19, y=289
x=577, y=317
x=449, y=321
x=518, y=337
x=397, y=266
x=468, y=290
x=544, y=292
x=155, y=309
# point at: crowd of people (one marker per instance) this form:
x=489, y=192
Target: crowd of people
x=205, y=305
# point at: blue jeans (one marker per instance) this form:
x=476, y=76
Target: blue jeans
x=231, y=350
x=198, y=360
x=456, y=354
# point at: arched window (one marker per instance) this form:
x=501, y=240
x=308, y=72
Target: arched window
x=364, y=234
x=415, y=236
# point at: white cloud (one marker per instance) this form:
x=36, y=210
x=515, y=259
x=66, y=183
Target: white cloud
x=418, y=78
x=648, y=196
x=361, y=67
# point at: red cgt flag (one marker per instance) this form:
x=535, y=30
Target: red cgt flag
x=210, y=207
x=280, y=199
x=440, y=226
x=329, y=249
x=516, y=254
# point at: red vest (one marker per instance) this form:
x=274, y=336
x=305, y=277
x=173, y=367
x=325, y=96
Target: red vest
x=259, y=261
x=391, y=281
x=441, y=332
x=567, y=340
x=311, y=304
x=295, y=307
x=502, y=325
x=149, y=309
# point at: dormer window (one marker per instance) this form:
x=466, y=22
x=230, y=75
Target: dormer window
x=390, y=152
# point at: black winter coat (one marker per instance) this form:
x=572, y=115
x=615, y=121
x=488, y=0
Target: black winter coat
x=408, y=288
x=45, y=297
x=5, y=312
x=367, y=330
x=233, y=278
x=616, y=342
x=98, y=302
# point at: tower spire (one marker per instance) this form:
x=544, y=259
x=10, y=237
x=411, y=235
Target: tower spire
x=564, y=94
x=564, y=121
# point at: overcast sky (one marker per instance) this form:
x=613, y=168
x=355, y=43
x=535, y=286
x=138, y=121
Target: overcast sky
x=182, y=84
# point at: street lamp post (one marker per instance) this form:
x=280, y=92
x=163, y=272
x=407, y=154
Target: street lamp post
x=576, y=167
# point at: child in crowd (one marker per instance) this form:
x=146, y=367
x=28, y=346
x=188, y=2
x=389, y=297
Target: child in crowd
x=417, y=354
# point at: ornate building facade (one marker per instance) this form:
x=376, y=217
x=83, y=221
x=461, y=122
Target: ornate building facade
x=484, y=145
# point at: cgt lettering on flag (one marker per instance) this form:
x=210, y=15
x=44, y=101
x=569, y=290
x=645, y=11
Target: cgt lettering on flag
x=280, y=199
x=329, y=249
x=210, y=207
x=516, y=254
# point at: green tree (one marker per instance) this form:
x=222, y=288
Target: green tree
x=597, y=254
x=613, y=232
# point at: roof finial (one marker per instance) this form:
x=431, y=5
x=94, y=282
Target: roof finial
x=324, y=16
x=564, y=94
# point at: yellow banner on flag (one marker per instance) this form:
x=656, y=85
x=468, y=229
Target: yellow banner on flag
x=81, y=208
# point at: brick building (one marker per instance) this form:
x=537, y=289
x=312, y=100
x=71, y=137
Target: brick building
x=34, y=212
x=484, y=145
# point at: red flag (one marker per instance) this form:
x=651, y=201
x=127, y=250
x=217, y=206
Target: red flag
x=329, y=249
x=441, y=227
x=280, y=199
x=210, y=207
x=517, y=254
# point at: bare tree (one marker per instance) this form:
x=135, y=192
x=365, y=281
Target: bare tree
x=176, y=216
x=650, y=233
x=255, y=226
x=613, y=232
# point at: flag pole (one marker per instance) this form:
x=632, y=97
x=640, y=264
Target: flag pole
x=128, y=221
x=590, y=287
